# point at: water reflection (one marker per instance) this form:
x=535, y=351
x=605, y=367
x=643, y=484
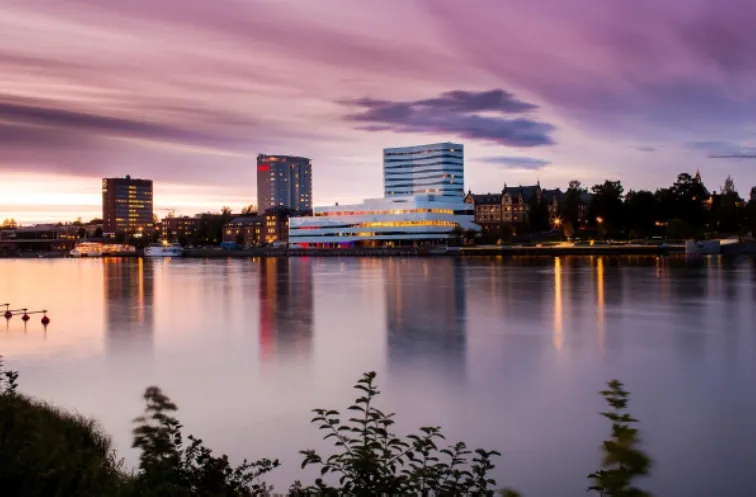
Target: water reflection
x=128, y=287
x=558, y=317
x=501, y=352
x=286, y=308
x=600, y=303
x=426, y=315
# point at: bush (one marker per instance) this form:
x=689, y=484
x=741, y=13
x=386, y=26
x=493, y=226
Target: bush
x=47, y=452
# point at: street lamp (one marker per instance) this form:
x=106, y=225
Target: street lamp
x=600, y=220
x=557, y=222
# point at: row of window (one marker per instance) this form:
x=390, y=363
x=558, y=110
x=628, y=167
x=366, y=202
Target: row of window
x=393, y=212
x=427, y=151
x=381, y=224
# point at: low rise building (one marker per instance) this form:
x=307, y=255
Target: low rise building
x=495, y=212
x=175, y=228
x=384, y=222
x=254, y=231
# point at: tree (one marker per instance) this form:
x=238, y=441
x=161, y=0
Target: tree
x=81, y=232
x=623, y=461
x=690, y=195
x=570, y=211
x=98, y=232
x=9, y=224
x=538, y=214
x=641, y=213
x=170, y=468
x=727, y=210
x=750, y=213
x=606, y=209
x=457, y=234
x=249, y=210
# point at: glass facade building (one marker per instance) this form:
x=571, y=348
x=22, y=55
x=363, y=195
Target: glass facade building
x=284, y=181
x=436, y=169
x=384, y=221
x=127, y=205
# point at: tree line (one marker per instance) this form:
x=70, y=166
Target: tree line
x=45, y=451
x=684, y=209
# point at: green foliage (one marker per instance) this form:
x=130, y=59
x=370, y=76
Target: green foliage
x=47, y=452
x=642, y=213
x=171, y=469
x=372, y=460
x=623, y=460
x=538, y=214
x=570, y=210
x=677, y=229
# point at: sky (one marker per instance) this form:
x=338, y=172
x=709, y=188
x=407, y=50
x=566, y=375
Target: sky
x=188, y=92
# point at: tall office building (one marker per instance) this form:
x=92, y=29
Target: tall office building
x=127, y=205
x=284, y=181
x=436, y=169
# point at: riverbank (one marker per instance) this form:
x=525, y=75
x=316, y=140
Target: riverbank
x=549, y=250
x=494, y=250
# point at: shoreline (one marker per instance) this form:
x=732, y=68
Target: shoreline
x=458, y=252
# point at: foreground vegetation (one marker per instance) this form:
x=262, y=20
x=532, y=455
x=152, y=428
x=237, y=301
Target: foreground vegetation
x=45, y=451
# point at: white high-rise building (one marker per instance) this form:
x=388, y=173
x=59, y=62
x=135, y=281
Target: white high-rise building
x=436, y=169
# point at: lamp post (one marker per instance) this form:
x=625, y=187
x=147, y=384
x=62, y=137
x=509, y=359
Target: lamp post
x=600, y=222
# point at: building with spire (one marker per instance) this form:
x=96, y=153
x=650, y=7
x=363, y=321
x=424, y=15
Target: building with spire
x=509, y=208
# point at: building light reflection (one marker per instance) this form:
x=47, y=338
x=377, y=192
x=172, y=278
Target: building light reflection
x=558, y=314
x=600, y=303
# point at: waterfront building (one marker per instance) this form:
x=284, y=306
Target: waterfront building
x=176, y=228
x=435, y=169
x=384, y=222
x=254, y=231
x=496, y=211
x=127, y=205
x=284, y=181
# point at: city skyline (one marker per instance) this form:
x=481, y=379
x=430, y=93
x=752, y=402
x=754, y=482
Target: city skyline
x=188, y=93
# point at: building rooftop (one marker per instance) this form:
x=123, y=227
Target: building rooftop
x=415, y=148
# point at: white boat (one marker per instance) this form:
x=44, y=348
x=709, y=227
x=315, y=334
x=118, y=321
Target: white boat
x=87, y=249
x=164, y=250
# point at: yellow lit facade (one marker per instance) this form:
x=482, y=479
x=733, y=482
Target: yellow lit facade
x=127, y=205
x=386, y=221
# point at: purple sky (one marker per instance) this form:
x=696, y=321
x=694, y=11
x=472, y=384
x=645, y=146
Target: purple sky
x=188, y=92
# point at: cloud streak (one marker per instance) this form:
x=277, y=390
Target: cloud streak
x=456, y=113
x=513, y=162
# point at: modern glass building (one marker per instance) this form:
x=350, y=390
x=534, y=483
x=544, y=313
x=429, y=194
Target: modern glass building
x=436, y=169
x=284, y=181
x=384, y=221
x=127, y=205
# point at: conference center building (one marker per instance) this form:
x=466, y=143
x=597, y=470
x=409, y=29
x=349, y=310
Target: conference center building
x=381, y=222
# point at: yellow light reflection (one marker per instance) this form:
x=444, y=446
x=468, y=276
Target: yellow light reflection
x=600, y=302
x=140, y=272
x=558, y=317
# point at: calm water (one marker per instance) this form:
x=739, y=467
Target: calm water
x=505, y=354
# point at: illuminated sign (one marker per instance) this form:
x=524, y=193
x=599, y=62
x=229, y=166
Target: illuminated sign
x=263, y=167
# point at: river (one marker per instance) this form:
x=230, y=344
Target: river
x=507, y=354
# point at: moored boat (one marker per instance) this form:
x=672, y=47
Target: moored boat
x=164, y=250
